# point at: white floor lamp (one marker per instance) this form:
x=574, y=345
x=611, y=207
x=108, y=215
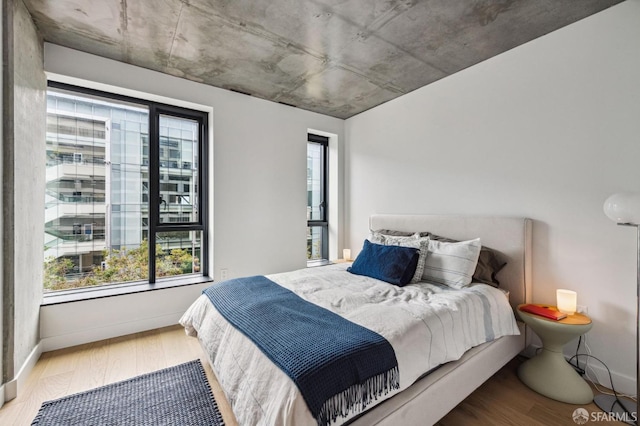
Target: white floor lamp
x=624, y=209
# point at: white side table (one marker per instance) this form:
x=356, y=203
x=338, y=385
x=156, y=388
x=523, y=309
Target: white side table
x=548, y=373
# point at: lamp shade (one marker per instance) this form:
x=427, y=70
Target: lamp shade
x=623, y=207
x=566, y=301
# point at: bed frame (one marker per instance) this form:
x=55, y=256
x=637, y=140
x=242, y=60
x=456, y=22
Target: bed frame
x=432, y=397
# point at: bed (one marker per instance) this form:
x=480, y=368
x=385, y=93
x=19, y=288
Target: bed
x=268, y=396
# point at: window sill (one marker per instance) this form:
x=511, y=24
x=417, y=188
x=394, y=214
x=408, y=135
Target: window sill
x=314, y=263
x=98, y=292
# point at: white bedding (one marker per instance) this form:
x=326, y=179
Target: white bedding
x=426, y=324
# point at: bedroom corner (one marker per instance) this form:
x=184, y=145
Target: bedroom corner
x=548, y=130
x=23, y=184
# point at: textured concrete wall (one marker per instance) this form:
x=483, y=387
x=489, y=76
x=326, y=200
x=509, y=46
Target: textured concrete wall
x=7, y=191
x=23, y=189
x=2, y=345
x=334, y=57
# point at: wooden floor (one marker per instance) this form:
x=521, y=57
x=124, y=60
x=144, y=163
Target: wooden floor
x=79, y=368
x=503, y=400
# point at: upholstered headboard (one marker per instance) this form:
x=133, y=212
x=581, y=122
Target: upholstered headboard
x=511, y=236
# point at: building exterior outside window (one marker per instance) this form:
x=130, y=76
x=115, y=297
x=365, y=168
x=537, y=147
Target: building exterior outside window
x=317, y=222
x=98, y=192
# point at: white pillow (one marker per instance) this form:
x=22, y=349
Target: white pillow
x=452, y=264
x=415, y=241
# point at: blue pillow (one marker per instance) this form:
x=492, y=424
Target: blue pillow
x=392, y=264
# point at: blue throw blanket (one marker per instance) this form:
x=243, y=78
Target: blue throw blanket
x=337, y=365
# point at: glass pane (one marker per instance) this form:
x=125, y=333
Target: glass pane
x=315, y=181
x=179, y=140
x=178, y=253
x=95, y=182
x=314, y=242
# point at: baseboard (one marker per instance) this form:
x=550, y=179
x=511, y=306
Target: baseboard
x=10, y=389
x=69, y=324
x=623, y=384
x=109, y=331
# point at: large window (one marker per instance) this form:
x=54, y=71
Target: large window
x=317, y=224
x=125, y=190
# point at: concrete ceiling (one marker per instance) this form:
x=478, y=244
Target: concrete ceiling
x=335, y=57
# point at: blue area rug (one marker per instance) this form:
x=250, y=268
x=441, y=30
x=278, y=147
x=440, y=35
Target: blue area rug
x=178, y=395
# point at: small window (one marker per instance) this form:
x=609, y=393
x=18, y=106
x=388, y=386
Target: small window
x=317, y=223
x=88, y=231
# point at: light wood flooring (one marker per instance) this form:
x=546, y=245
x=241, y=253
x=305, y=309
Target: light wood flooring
x=502, y=400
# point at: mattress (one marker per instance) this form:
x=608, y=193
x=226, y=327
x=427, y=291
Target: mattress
x=427, y=325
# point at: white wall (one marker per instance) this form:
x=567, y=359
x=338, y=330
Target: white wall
x=547, y=130
x=259, y=185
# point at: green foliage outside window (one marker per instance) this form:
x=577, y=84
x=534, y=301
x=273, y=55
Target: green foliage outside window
x=122, y=265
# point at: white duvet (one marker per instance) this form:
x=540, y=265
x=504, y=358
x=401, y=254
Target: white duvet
x=427, y=325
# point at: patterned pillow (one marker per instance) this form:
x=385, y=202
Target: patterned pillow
x=395, y=233
x=451, y=264
x=378, y=237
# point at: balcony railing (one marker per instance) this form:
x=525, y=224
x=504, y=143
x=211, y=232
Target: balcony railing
x=69, y=159
x=66, y=236
x=74, y=198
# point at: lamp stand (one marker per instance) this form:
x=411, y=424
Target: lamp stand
x=624, y=408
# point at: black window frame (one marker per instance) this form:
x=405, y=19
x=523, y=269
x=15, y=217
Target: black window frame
x=322, y=223
x=156, y=109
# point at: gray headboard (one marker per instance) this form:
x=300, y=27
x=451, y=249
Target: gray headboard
x=511, y=236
